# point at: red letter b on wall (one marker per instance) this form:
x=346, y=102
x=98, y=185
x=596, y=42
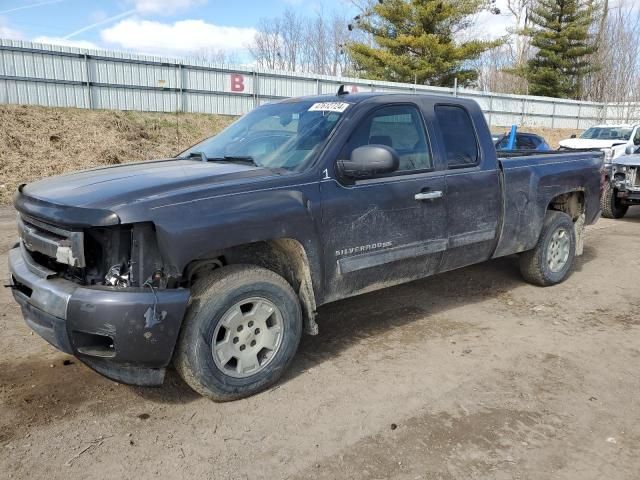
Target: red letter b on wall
x=237, y=82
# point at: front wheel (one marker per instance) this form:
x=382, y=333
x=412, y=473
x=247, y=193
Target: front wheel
x=551, y=260
x=241, y=331
x=610, y=203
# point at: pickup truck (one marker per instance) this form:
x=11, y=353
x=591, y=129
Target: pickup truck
x=622, y=186
x=613, y=140
x=216, y=261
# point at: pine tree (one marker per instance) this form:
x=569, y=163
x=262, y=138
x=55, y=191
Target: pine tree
x=416, y=40
x=560, y=33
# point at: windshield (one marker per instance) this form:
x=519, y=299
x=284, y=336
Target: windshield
x=283, y=135
x=607, y=133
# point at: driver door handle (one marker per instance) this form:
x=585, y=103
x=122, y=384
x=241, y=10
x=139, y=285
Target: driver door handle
x=428, y=195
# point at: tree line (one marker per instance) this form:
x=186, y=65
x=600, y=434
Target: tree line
x=579, y=49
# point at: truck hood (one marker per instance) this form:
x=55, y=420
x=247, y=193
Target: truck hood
x=578, y=143
x=628, y=160
x=111, y=188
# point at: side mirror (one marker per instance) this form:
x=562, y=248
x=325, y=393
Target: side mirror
x=370, y=161
x=573, y=135
x=631, y=149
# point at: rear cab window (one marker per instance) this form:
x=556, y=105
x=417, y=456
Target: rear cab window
x=459, y=136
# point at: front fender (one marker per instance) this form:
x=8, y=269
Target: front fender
x=198, y=229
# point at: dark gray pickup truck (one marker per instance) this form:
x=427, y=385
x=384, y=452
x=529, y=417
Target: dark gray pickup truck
x=217, y=260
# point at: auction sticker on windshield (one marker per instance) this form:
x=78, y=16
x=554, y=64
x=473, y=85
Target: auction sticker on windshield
x=329, y=107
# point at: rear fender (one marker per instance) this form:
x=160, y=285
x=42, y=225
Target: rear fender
x=532, y=185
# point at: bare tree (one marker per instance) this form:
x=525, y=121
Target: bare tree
x=303, y=44
x=496, y=73
x=292, y=36
x=267, y=44
x=500, y=69
x=520, y=44
x=618, y=57
x=217, y=56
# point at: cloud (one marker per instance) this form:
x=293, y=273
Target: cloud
x=93, y=25
x=179, y=38
x=65, y=42
x=7, y=32
x=164, y=7
x=486, y=25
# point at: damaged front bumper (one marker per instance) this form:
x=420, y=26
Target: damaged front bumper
x=127, y=334
x=630, y=195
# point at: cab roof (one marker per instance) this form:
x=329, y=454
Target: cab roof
x=359, y=97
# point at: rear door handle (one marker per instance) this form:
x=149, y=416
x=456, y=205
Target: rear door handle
x=428, y=195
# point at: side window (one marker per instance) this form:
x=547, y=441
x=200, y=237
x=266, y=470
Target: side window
x=636, y=139
x=460, y=141
x=399, y=127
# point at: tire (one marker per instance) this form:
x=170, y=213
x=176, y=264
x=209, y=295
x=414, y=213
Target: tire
x=610, y=203
x=543, y=264
x=224, y=303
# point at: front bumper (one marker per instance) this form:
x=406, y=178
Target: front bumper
x=113, y=331
x=629, y=195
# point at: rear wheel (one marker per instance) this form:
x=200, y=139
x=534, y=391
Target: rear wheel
x=240, y=332
x=610, y=204
x=551, y=260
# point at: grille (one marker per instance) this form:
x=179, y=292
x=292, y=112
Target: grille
x=50, y=244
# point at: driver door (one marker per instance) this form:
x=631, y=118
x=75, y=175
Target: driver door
x=387, y=230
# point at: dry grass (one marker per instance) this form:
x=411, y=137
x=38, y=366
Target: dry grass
x=37, y=142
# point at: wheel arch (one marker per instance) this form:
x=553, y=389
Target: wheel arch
x=571, y=202
x=285, y=256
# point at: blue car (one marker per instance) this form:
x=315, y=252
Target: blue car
x=524, y=141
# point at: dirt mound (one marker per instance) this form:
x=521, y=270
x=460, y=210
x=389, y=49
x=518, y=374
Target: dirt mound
x=37, y=142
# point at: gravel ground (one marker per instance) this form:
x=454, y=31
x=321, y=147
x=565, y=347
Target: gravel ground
x=469, y=374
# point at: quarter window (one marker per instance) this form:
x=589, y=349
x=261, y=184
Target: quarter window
x=460, y=143
x=399, y=127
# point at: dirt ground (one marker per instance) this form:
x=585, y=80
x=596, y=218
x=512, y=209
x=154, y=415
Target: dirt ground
x=472, y=374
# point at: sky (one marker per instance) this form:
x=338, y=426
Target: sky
x=161, y=27
x=170, y=27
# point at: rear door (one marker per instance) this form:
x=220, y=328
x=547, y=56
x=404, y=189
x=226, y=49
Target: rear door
x=383, y=231
x=473, y=190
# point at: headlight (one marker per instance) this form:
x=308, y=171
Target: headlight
x=608, y=154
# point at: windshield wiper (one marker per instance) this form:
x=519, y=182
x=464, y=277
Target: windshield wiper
x=227, y=158
x=241, y=158
x=202, y=155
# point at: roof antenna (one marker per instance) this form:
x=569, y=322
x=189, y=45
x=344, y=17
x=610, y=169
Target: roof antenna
x=341, y=91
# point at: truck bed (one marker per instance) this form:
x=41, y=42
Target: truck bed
x=531, y=180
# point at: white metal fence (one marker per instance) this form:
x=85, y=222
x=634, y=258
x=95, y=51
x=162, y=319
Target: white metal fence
x=56, y=76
